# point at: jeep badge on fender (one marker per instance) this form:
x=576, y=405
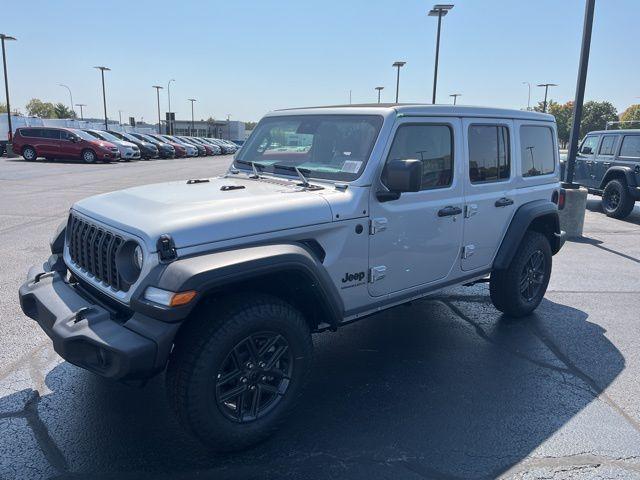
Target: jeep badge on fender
x=220, y=282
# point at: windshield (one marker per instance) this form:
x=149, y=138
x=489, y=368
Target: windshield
x=108, y=137
x=130, y=137
x=84, y=135
x=335, y=147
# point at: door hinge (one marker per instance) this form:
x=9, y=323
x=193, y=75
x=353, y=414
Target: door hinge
x=377, y=225
x=468, y=250
x=377, y=273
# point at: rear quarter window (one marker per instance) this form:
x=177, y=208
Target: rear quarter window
x=630, y=146
x=31, y=132
x=537, y=150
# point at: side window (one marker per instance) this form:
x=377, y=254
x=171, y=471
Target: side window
x=488, y=153
x=630, y=146
x=536, y=150
x=607, y=145
x=431, y=144
x=31, y=132
x=64, y=135
x=589, y=145
x=52, y=134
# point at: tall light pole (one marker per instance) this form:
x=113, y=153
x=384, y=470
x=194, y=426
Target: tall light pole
x=158, y=88
x=81, y=112
x=4, y=37
x=120, y=117
x=580, y=84
x=438, y=10
x=529, y=95
x=398, y=65
x=455, y=97
x=546, y=91
x=169, y=122
x=191, y=100
x=104, y=95
x=379, y=89
x=70, y=96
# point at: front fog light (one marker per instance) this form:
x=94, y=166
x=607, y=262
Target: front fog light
x=167, y=298
x=138, y=257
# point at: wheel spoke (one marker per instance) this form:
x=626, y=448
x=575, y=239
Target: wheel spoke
x=253, y=350
x=231, y=394
x=270, y=343
x=255, y=401
x=276, y=356
x=227, y=377
x=269, y=388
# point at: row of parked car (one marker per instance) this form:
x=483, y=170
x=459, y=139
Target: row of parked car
x=98, y=145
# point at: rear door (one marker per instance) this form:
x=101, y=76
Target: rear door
x=50, y=142
x=629, y=155
x=490, y=194
x=415, y=240
x=604, y=159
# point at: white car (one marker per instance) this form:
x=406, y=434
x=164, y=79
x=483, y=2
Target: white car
x=128, y=151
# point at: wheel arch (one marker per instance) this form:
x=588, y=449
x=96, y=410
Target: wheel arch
x=540, y=216
x=621, y=173
x=291, y=272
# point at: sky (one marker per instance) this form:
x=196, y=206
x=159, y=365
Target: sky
x=243, y=58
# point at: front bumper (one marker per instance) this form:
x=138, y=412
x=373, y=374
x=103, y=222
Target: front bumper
x=91, y=334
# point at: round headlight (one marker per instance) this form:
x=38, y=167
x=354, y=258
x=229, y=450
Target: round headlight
x=138, y=257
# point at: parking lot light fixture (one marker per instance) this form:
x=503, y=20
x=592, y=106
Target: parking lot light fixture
x=81, y=112
x=104, y=94
x=439, y=10
x=170, y=123
x=4, y=37
x=546, y=91
x=70, y=95
x=455, y=97
x=379, y=89
x=158, y=88
x=192, y=123
x=398, y=65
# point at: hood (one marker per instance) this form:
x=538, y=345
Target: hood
x=205, y=212
x=102, y=143
x=124, y=143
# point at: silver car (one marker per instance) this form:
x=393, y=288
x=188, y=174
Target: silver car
x=128, y=151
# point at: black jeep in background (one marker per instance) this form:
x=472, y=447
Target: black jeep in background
x=608, y=164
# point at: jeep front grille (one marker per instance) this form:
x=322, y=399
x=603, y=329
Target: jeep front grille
x=94, y=249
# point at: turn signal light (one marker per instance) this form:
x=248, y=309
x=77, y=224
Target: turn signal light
x=182, y=298
x=167, y=298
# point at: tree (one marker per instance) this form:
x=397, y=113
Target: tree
x=595, y=116
x=61, y=111
x=631, y=114
x=564, y=115
x=250, y=125
x=38, y=108
x=3, y=108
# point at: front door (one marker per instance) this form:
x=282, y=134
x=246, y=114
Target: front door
x=415, y=240
x=604, y=159
x=69, y=148
x=489, y=191
x=584, y=160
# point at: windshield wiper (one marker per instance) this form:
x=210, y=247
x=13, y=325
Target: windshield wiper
x=254, y=166
x=299, y=171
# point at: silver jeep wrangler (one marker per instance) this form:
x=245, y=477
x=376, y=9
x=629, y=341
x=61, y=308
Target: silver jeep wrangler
x=327, y=215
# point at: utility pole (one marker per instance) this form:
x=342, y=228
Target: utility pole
x=158, y=88
x=379, y=89
x=455, y=97
x=169, y=122
x=81, y=112
x=398, y=65
x=546, y=91
x=104, y=95
x=3, y=38
x=439, y=11
x=192, y=122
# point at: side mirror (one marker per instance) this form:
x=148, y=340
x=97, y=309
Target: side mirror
x=586, y=151
x=401, y=176
x=75, y=139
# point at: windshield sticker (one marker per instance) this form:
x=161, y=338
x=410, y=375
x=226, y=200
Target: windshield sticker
x=351, y=166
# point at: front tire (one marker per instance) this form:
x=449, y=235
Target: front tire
x=616, y=201
x=518, y=290
x=29, y=154
x=237, y=370
x=89, y=156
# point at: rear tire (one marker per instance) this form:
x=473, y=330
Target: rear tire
x=616, y=201
x=29, y=154
x=220, y=379
x=89, y=156
x=518, y=290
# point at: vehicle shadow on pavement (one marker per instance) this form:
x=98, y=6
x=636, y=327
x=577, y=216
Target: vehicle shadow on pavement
x=595, y=205
x=444, y=388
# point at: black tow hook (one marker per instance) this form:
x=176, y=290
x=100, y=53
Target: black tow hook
x=42, y=275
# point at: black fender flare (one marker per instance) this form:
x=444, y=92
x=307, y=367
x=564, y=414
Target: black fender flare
x=616, y=171
x=205, y=273
x=520, y=223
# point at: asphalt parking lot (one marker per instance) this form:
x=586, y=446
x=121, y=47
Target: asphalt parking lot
x=445, y=388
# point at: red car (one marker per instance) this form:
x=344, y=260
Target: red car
x=180, y=150
x=34, y=142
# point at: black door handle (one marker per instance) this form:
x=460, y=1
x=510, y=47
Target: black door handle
x=503, y=202
x=449, y=211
